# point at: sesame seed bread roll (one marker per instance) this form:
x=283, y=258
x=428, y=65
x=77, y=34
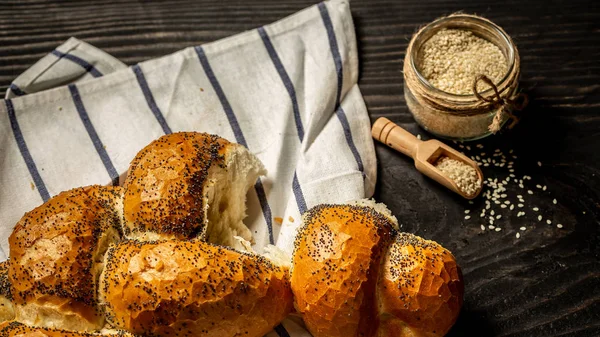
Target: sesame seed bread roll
x=56, y=256
x=192, y=288
x=7, y=311
x=337, y=257
x=420, y=289
x=190, y=185
x=16, y=329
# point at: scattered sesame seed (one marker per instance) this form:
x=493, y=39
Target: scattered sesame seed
x=518, y=235
x=482, y=227
x=523, y=228
x=554, y=201
x=549, y=222
x=467, y=217
x=512, y=207
x=491, y=226
x=498, y=229
x=536, y=209
x=539, y=218
x=418, y=136
x=539, y=163
x=559, y=226
x=467, y=211
x=529, y=191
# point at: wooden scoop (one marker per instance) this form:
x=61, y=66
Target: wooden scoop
x=425, y=153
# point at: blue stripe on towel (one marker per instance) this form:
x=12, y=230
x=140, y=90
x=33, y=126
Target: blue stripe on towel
x=281, y=331
x=16, y=90
x=35, y=174
x=83, y=63
x=112, y=172
x=337, y=59
x=298, y=194
x=150, y=99
x=289, y=86
x=239, y=136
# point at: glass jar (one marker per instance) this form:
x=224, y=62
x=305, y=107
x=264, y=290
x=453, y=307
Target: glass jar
x=453, y=116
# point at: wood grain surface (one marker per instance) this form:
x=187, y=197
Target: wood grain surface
x=547, y=283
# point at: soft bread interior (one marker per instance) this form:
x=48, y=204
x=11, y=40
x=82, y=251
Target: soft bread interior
x=378, y=207
x=273, y=253
x=225, y=197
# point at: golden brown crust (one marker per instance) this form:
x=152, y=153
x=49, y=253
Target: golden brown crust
x=56, y=255
x=15, y=329
x=4, y=282
x=164, y=189
x=7, y=311
x=420, y=289
x=192, y=288
x=336, y=260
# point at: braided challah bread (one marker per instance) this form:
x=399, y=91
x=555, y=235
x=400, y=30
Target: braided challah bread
x=151, y=258
x=353, y=275
x=192, y=288
x=56, y=256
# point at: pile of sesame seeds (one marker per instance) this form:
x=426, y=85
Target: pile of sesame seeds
x=452, y=58
x=462, y=174
x=508, y=193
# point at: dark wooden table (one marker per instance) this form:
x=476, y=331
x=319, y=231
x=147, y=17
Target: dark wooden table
x=547, y=283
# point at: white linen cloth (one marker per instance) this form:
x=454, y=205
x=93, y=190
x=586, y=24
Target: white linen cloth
x=287, y=91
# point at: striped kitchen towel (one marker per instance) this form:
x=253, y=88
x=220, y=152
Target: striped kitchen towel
x=287, y=91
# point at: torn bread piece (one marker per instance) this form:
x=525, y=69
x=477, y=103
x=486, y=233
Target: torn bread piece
x=190, y=185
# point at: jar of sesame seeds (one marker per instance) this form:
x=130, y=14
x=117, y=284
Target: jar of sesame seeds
x=461, y=76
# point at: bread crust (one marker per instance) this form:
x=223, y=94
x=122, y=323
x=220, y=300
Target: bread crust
x=7, y=311
x=420, y=289
x=165, y=186
x=337, y=257
x=56, y=254
x=192, y=288
x=16, y=329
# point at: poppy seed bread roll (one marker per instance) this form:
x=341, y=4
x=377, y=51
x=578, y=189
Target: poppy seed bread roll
x=354, y=275
x=7, y=311
x=192, y=288
x=337, y=257
x=420, y=289
x=190, y=185
x=56, y=256
x=16, y=329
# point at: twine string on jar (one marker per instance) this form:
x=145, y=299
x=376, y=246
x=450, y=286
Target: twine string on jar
x=505, y=105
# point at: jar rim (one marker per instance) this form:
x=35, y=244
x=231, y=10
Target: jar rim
x=440, y=24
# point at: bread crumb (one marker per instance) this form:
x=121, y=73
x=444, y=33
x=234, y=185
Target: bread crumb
x=278, y=220
x=291, y=219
